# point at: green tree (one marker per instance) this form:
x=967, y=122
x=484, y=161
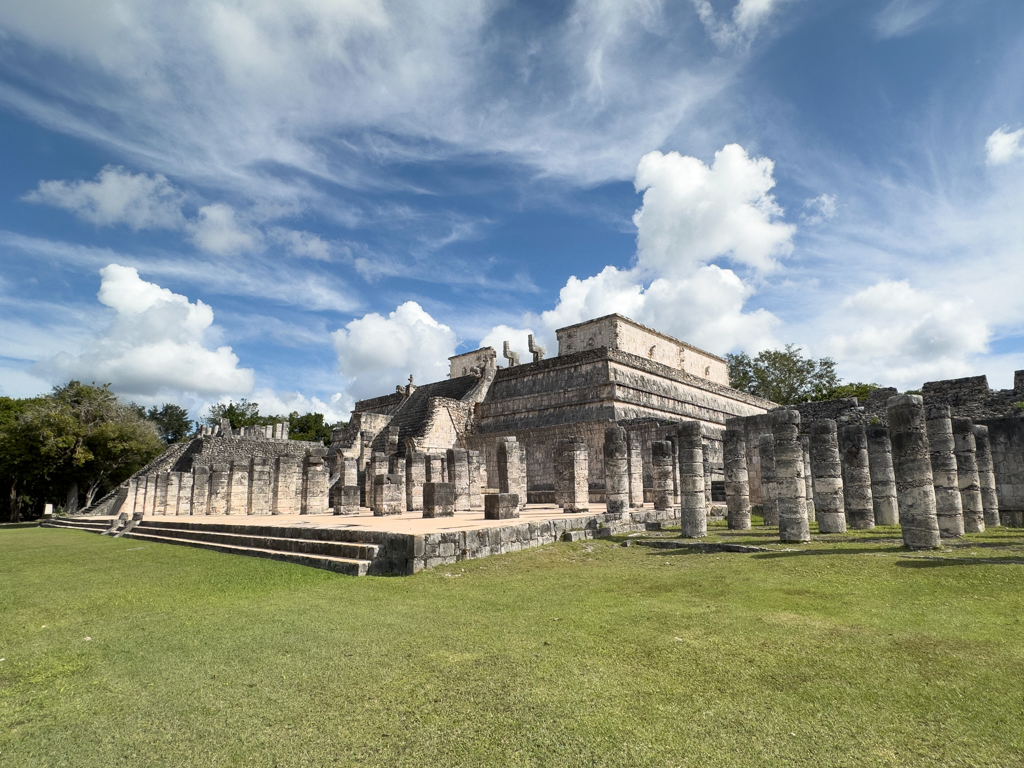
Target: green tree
x=858, y=389
x=240, y=414
x=172, y=422
x=309, y=426
x=783, y=376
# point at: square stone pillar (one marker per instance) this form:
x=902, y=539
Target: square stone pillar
x=261, y=496
x=512, y=468
x=220, y=489
x=415, y=477
x=438, y=500
x=501, y=506
x=287, y=478
x=477, y=480
x=185, y=490
x=661, y=465
x=314, y=486
x=173, y=486
x=348, y=475
x=388, y=496
x=200, y=489
x=238, y=494
x=572, y=488
x=346, y=502
x=458, y=477
x=675, y=468
x=436, y=469
x=160, y=507
x=377, y=465
x=636, y=469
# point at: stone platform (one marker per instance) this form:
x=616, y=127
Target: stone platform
x=367, y=544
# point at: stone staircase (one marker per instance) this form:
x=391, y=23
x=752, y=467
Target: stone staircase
x=91, y=524
x=315, y=547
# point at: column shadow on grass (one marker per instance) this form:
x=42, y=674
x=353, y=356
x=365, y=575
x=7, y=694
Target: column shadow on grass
x=942, y=562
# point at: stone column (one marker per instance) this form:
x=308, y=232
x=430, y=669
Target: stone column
x=572, y=487
x=388, y=496
x=200, y=489
x=314, y=486
x=260, y=492
x=805, y=446
x=396, y=467
x=661, y=465
x=706, y=449
x=860, y=509
x=737, y=491
x=829, y=508
x=286, y=479
x=986, y=476
x=791, y=490
x=693, y=512
x=769, y=487
x=160, y=507
x=947, y=487
x=129, y=502
x=185, y=494
x=415, y=477
x=911, y=462
x=636, y=469
x=377, y=465
x=434, y=469
x=883, y=479
x=965, y=450
x=674, y=439
x=477, y=480
x=173, y=487
x=238, y=492
x=220, y=479
x=616, y=471
x=438, y=500
x=512, y=468
x=458, y=477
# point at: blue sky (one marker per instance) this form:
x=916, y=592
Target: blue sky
x=302, y=203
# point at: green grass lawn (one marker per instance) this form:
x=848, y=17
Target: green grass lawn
x=845, y=651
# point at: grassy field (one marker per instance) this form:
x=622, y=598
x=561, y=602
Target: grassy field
x=846, y=652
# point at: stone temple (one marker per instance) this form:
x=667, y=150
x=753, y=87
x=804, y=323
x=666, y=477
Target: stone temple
x=624, y=429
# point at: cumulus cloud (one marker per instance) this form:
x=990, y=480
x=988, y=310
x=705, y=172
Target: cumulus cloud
x=155, y=345
x=907, y=334
x=903, y=17
x=517, y=339
x=1004, y=146
x=336, y=408
x=819, y=209
x=116, y=196
x=376, y=353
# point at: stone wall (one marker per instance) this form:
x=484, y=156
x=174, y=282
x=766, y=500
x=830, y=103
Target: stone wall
x=1007, y=438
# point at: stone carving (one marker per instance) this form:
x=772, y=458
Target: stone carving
x=635, y=456
x=829, y=508
x=769, y=489
x=537, y=350
x=883, y=479
x=508, y=354
x=791, y=491
x=986, y=474
x=692, y=502
x=737, y=491
x=860, y=510
x=915, y=491
x=616, y=471
x=965, y=449
x=948, y=507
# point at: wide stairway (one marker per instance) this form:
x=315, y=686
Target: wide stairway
x=313, y=547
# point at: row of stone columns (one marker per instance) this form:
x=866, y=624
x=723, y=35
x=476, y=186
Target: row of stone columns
x=396, y=484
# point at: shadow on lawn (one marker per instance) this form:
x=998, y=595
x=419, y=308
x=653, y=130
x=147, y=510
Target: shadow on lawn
x=940, y=562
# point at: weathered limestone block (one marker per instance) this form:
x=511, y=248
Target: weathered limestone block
x=705, y=447
x=661, y=466
x=477, y=480
x=911, y=461
x=512, y=468
x=675, y=469
x=261, y=497
x=396, y=466
x=769, y=485
x=948, y=507
x=377, y=465
x=314, y=486
x=238, y=488
x=860, y=509
x=966, y=452
x=200, y=489
x=829, y=509
x=737, y=490
x=287, y=478
x=346, y=501
x=791, y=490
x=415, y=477
x=388, y=498
x=805, y=445
x=173, y=488
x=986, y=476
x=572, y=491
x=160, y=507
x=185, y=490
x=129, y=502
x=458, y=477
x=883, y=478
x=501, y=506
x=616, y=470
x=436, y=471
x=636, y=469
x=693, y=513
x=220, y=489
x=439, y=499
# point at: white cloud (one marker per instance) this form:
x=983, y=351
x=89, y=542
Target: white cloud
x=155, y=344
x=302, y=244
x=217, y=230
x=1004, y=146
x=336, y=408
x=517, y=339
x=377, y=353
x=907, y=335
x=748, y=17
x=903, y=17
x=693, y=213
x=819, y=209
x=137, y=200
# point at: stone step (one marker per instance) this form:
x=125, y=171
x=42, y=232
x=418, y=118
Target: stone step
x=343, y=549
x=95, y=526
x=345, y=565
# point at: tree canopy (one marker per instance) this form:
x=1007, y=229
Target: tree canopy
x=172, y=422
x=786, y=376
x=244, y=413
